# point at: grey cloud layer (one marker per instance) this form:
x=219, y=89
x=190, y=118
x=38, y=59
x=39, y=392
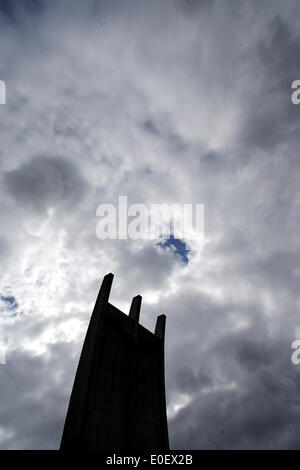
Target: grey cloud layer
x=163, y=102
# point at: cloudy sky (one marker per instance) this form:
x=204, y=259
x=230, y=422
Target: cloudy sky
x=165, y=101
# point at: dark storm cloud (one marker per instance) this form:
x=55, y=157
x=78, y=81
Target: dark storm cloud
x=252, y=354
x=250, y=412
x=43, y=182
x=280, y=270
x=12, y=8
x=229, y=419
x=241, y=382
x=274, y=119
x=32, y=404
x=189, y=381
x=150, y=127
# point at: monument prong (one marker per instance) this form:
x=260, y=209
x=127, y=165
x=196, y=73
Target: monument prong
x=160, y=326
x=135, y=308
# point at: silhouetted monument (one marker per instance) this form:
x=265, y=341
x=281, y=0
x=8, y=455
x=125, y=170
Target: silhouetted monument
x=118, y=397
